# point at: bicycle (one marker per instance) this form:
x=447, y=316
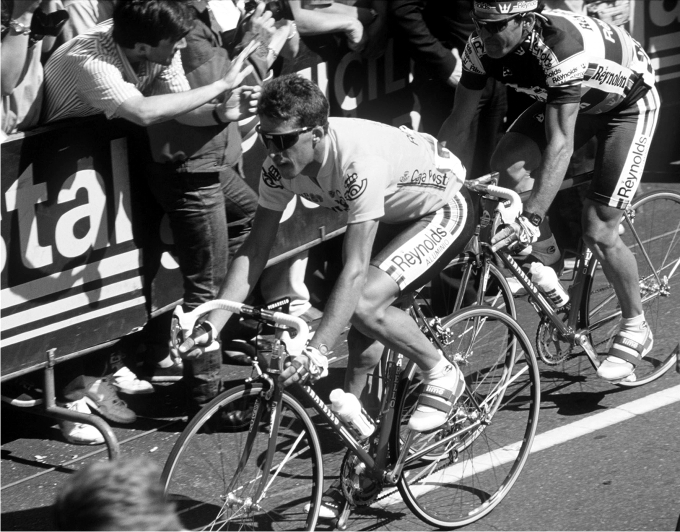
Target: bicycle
x=650, y=226
x=262, y=473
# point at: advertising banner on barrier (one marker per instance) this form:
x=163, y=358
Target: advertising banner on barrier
x=71, y=265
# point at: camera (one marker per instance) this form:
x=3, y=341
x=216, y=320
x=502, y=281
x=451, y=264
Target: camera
x=279, y=9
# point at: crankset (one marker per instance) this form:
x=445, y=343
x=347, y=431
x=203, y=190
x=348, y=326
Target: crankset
x=552, y=347
x=357, y=487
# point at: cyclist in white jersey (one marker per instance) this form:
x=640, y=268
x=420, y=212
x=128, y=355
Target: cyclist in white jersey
x=406, y=215
x=589, y=79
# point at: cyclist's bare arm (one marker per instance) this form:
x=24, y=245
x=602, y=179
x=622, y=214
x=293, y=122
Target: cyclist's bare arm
x=345, y=295
x=248, y=263
x=560, y=121
x=455, y=131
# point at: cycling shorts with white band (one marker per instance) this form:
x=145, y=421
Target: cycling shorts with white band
x=623, y=140
x=413, y=253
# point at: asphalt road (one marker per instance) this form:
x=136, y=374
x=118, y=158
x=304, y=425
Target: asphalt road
x=605, y=458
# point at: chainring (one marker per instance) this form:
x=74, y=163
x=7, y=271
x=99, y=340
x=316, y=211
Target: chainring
x=358, y=489
x=552, y=347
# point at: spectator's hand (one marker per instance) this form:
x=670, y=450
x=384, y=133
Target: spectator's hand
x=515, y=236
x=308, y=365
x=237, y=72
x=356, y=36
x=454, y=78
x=263, y=25
x=242, y=103
x=203, y=338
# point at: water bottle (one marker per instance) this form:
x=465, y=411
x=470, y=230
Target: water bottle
x=546, y=279
x=348, y=409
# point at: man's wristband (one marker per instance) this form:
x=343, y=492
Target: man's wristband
x=216, y=116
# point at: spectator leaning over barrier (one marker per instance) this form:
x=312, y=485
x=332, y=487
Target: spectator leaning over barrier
x=129, y=67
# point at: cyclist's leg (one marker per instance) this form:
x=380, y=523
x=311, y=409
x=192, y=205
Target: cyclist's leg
x=409, y=260
x=624, y=142
x=362, y=365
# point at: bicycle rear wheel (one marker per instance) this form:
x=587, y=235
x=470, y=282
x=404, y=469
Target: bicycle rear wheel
x=459, y=473
x=202, y=475
x=651, y=229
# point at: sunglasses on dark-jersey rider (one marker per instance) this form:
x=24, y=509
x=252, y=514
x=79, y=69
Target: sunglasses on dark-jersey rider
x=492, y=26
x=281, y=141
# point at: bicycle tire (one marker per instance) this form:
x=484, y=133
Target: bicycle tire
x=656, y=223
x=466, y=477
x=202, y=464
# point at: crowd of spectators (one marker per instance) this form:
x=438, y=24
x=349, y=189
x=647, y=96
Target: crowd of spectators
x=189, y=72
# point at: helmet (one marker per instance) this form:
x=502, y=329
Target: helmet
x=485, y=8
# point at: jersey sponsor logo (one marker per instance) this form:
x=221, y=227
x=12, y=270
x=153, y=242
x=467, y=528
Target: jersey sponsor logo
x=637, y=157
x=427, y=250
x=354, y=187
x=467, y=61
x=506, y=72
x=540, y=117
x=604, y=76
x=339, y=198
x=546, y=57
x=271, y=177
x=504, y=8
x=426, y=179
x=607, y=30
x=556, y=76
x=584, y=23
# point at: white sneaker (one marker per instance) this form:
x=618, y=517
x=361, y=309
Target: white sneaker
x=127, y=382
x=629, y=347
x=437, y=400
x=80, y=433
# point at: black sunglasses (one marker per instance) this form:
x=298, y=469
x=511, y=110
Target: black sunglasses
x=281, y=141
x=492, y=26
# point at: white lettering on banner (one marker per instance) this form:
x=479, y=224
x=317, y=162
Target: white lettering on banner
x=23, y=196
x=350, y=101
x=89, y=218
x=69, y=243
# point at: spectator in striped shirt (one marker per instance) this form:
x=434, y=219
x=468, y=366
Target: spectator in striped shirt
x=130, y=67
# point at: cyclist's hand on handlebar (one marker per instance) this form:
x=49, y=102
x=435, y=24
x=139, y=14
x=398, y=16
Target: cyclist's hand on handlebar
x=308, y=365
x=515, y=236
x=203, y=338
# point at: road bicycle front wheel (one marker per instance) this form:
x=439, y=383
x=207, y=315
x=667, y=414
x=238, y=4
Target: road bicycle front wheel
x=460, y=472
x=651, y=230
x=226, y=473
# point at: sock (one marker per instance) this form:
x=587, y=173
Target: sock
x=437, y=370
x=166, y=362
x=634, y=322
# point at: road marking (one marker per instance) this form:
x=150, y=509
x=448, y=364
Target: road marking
x=544, y=441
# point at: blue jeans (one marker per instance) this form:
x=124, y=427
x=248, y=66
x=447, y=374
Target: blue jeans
x=210, y=217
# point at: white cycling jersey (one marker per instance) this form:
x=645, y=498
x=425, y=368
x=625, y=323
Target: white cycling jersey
x=373, y=171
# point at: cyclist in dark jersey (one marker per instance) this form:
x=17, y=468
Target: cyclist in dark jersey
x=589, y=79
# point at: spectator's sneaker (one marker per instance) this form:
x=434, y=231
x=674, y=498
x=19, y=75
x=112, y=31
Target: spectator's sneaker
x=629, y=347
x=331, y=502
x=127, y=382
x=21, y=392
x=80, y=433
x=437, y=400
x=101, y=397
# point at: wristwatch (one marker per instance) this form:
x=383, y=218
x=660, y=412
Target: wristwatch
x=534, y=218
